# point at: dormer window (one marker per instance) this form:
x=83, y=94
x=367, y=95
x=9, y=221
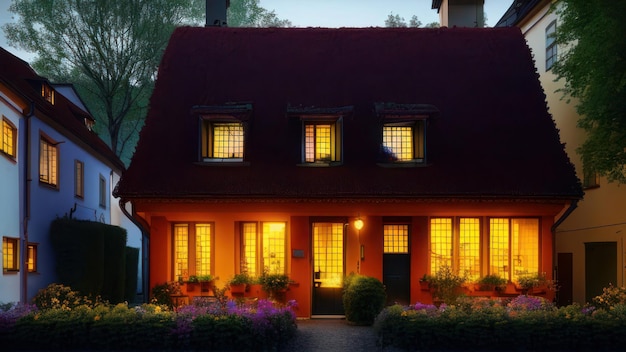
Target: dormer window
x=47, y=92
x=403, y=133
x=322, y=134
x=223, y=132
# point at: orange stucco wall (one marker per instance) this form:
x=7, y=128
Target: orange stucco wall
x=299, y=218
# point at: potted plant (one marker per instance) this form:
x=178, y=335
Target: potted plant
x=191, y=283
x=206, y=282
x=528, y=282
x=446, y=285
x=275, y=283
x=491, y=282
x=425, y=282
x=238, y=283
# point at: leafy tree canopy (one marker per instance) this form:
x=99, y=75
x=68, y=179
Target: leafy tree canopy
x=593, y=66
x=110, y=51
x=396, y=21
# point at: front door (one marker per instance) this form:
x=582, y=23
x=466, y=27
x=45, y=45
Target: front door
x=397, y=264
x=328, y=268
x=600, y=267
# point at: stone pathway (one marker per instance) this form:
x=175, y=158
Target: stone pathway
x=331, y=335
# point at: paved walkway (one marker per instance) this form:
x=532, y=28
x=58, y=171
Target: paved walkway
x=329, y=335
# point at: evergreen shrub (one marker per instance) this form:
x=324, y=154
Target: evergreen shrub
x=363, y=298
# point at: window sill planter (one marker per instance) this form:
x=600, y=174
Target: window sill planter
x=237, y=288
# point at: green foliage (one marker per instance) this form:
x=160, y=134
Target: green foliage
x=592, y=63
x=80, y=247
x=363, y=298
x=396, y=21
x=60, y=297
x=610, y=297
x=162, y=293
x=526, y=323
x=446, y=285
x=529, y=281
x=240, y=279
x=249, y=13
x=274, y=282
x=492, y=280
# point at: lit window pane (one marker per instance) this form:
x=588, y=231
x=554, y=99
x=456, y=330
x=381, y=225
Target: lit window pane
x=524, y=247
x=203, y=249
x=181, y=251
x=469, y=248
x=249, y=250
x=399, y=140
x=47, y=163
x=440, y=244
x=274, y=247
x=228, y=140
x=318, y=143
x=328, y=253
x=396, y=238
x=499, y=247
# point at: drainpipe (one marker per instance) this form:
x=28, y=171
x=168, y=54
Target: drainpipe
x=26, y=219
x=573, y=205
x=145, y=250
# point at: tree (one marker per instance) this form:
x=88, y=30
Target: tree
x=592, y=64
x=395, y=21
x=248, y=13
x=109, y=49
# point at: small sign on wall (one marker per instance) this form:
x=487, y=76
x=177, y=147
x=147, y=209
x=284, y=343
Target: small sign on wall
x=297, y=253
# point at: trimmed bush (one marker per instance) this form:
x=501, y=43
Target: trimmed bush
x=363, y=298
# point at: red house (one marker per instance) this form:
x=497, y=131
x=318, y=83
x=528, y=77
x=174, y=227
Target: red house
x=263, y=146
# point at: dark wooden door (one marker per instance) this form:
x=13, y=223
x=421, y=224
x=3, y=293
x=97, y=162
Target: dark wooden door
x=328, y=268
x=600, y=267
x=565, y=279
x=397, y=278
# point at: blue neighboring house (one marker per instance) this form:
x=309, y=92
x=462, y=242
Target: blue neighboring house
x=52, y=164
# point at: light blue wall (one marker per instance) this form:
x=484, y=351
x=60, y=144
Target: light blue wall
x=9, y=203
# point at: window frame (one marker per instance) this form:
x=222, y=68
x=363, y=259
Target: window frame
x=192, y=255
x=259, y=265
x=32, y=257
x=394, y=246
x=52, y=164
x=415, y=116
x=212, y=115
x=551, y=45
x=315, y=116
x=103, y=193
x=456, y=241
x=79, y=179
x=14, y=266
x=510, y=276
x=8, y=125
x=47, y=92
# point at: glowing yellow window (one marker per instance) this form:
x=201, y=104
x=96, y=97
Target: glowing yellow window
x=8, y=138
x=396, y=238
x=249, y=261
x=10, y=250
x=440, y=244
x=274, y=247
x=203, y=249
x=328, y=260
x=321, y=144
x=524, y=247
x=403, y=142
x=47, y=92
x=181, y=251
x=32, y=258
x=469, y=248
x=499, y=247
x=222, y=141
x=48, y=162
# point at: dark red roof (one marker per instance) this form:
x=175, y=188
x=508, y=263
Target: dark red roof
x=492, y=137
x=64, y=115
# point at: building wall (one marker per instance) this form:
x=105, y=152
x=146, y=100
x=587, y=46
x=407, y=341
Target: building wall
x=299, y=216
x=10, y=202
x=600, y=216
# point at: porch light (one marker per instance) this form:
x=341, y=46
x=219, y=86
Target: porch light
x=358, y=224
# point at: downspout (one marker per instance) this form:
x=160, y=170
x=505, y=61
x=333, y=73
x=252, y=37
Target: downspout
x=26, y=219
x=145, y=251
x=573, y=205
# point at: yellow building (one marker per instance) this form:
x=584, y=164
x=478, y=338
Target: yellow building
x=589, y=251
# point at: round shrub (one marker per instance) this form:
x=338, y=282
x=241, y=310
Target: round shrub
x=363, y=298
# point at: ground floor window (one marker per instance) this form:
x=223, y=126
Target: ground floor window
x=32, y=257
x=263, y=248
x=457, y=243
x=10, y=254
x=193, y=249
x=395, y=238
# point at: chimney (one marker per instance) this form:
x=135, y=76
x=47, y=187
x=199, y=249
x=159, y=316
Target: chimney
x=216, y=13
x=460, y=13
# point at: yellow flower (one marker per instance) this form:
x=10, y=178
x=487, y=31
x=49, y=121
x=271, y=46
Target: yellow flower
x=96, y=318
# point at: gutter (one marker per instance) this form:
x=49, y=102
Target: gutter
x=573, y=205
x=26, y=219
x=145, y=249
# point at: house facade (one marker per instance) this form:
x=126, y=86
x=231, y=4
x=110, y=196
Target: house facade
x=589, y=244
x=52, y=165
x=263, y=147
